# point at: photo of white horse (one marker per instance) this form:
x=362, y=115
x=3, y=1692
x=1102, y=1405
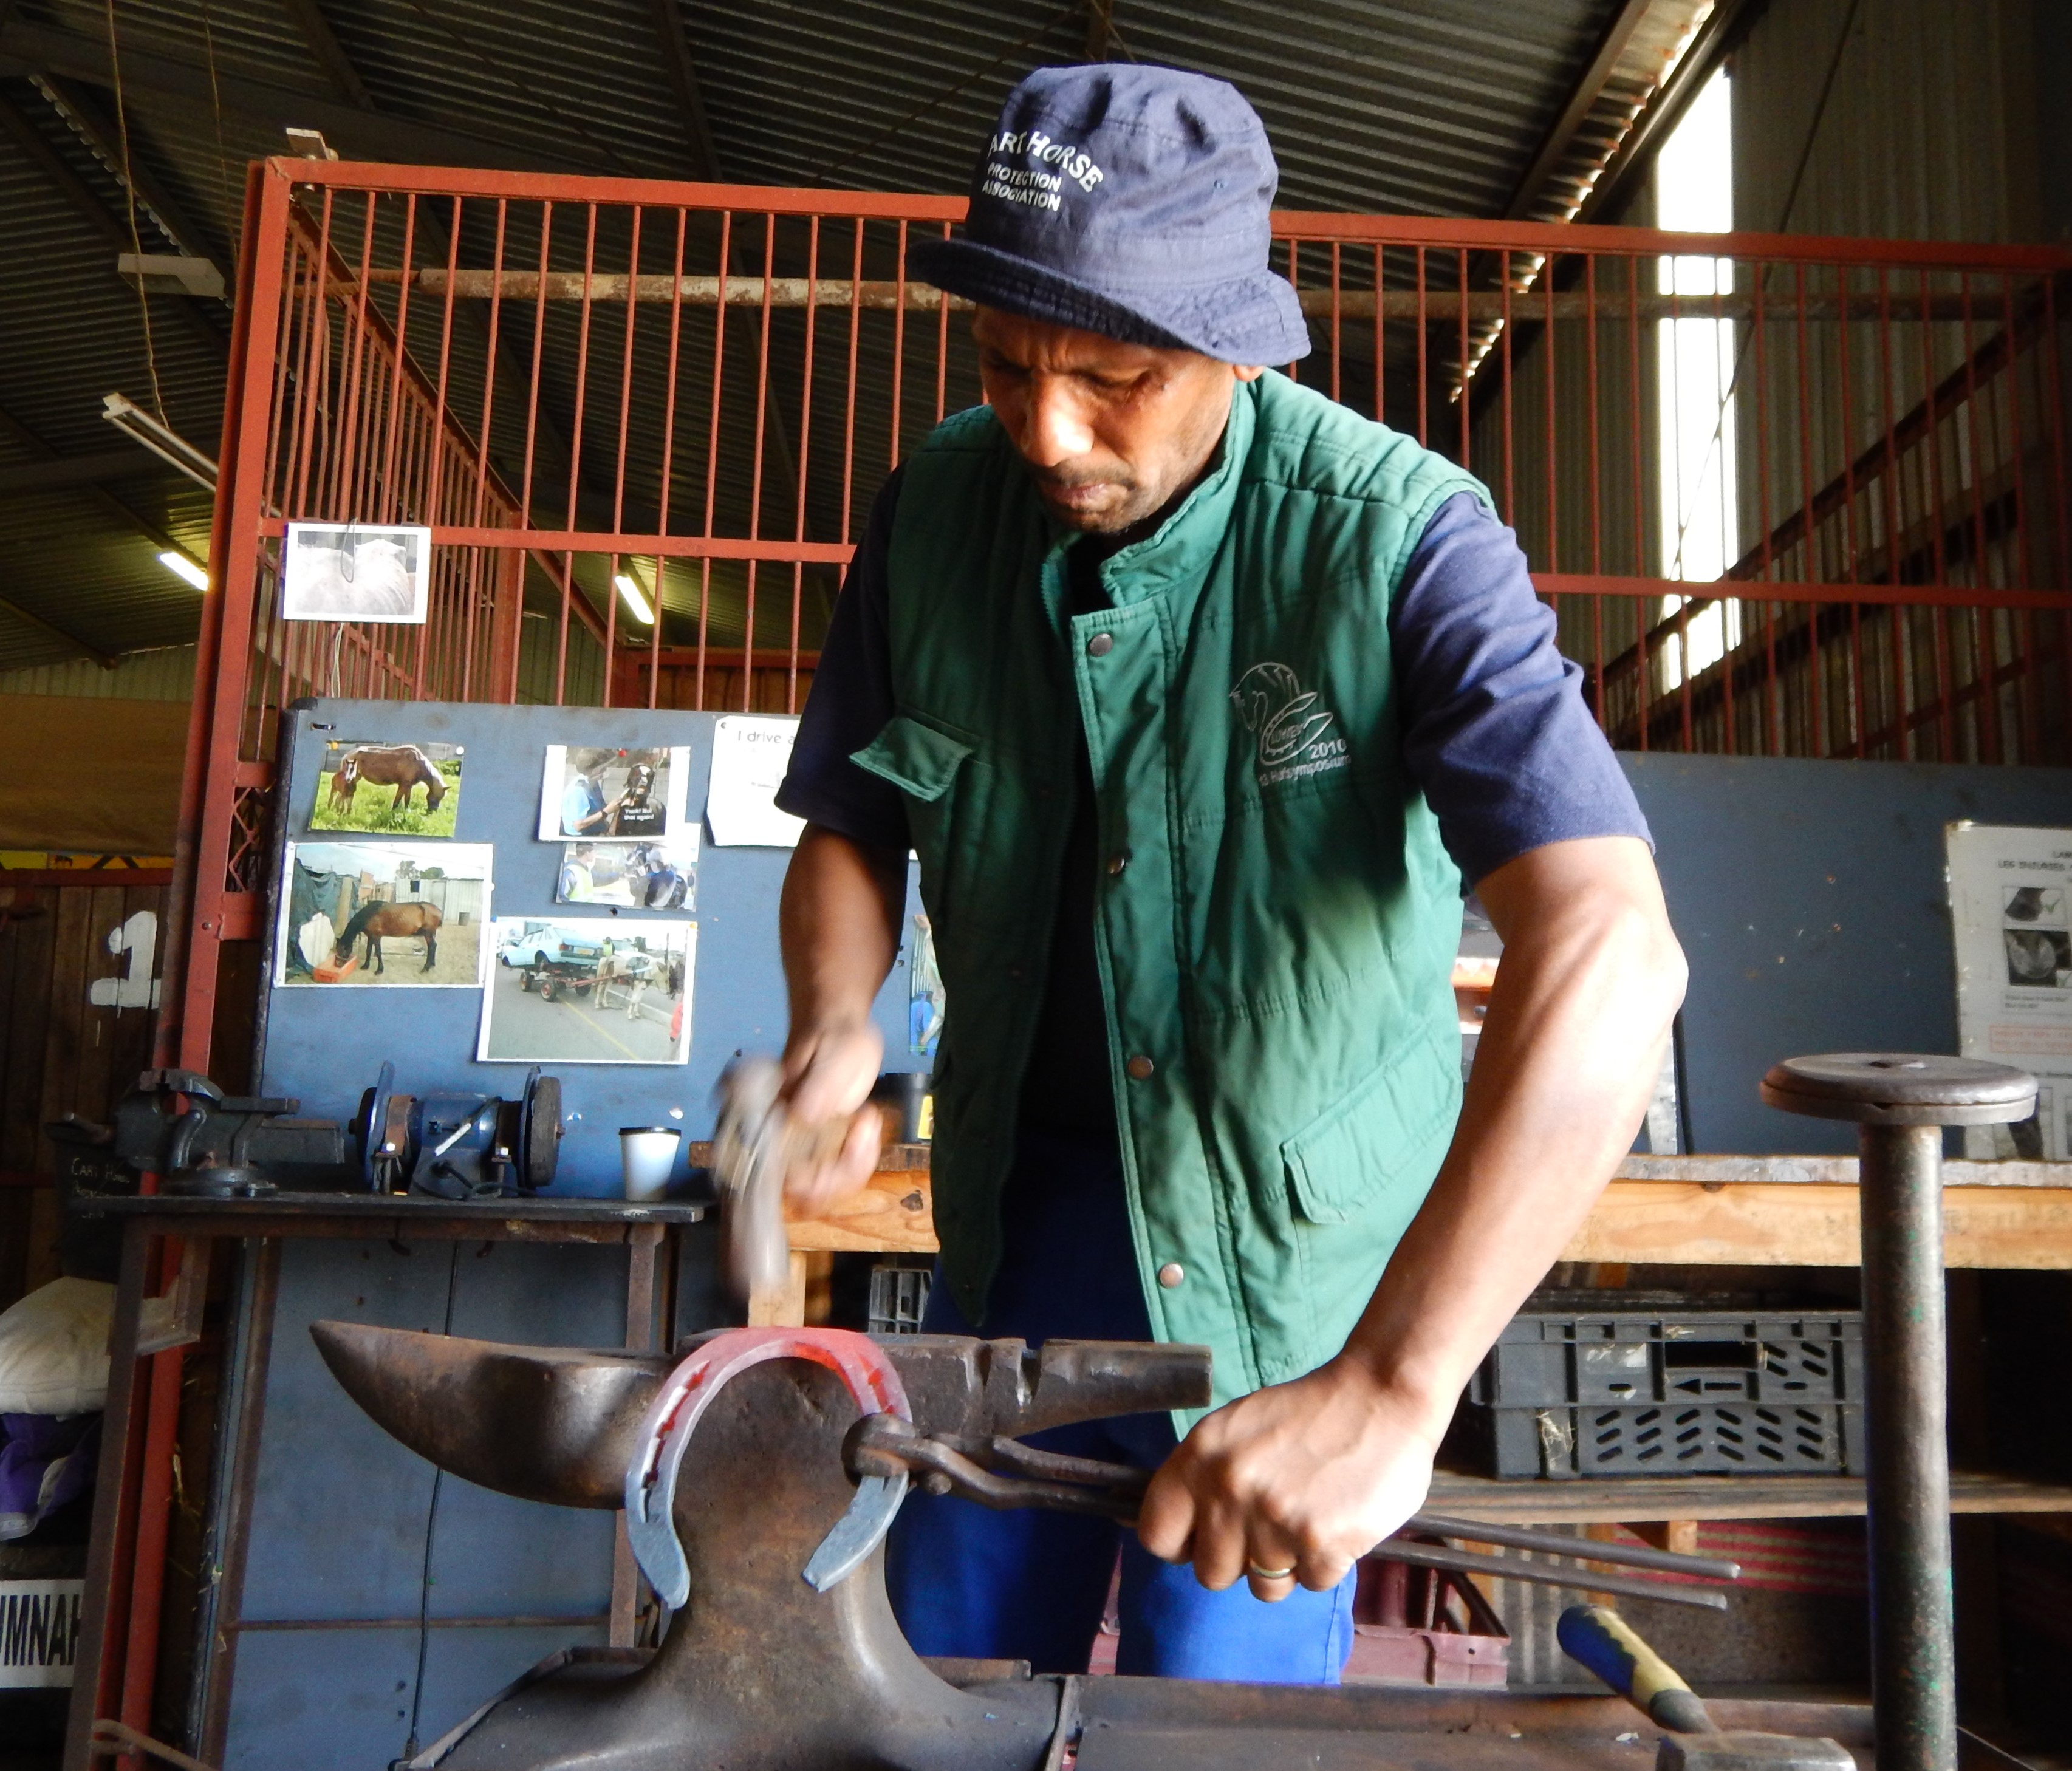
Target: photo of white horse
x=333, y=573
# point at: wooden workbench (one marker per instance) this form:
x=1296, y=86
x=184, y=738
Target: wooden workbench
x=1689, y=1211
x=1681, y=1211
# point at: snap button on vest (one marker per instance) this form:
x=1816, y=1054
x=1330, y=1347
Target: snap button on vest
x=1139, y=1067
x=1117, y=862
x=1101, y=645
x=1171, y=1275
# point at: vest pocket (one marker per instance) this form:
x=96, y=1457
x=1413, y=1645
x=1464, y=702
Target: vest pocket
x=1390, y=1129
x=915, y=758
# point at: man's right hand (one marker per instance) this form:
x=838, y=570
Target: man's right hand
x=827, y=1077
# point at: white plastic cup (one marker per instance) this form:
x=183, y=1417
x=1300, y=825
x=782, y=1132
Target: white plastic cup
x=648, y=1154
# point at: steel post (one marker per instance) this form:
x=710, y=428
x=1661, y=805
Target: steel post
x=1900, y=1102
x=1913, y=1632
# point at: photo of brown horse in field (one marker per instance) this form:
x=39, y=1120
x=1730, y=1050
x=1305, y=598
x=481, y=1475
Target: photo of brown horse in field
x=376, y=921
x=402, y=766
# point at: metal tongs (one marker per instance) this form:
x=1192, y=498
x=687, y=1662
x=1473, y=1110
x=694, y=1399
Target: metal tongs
x=1003, y=1474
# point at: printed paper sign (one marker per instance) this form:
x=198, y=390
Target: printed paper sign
x=39, y=1632
x=2010, y=893
x=750, y=756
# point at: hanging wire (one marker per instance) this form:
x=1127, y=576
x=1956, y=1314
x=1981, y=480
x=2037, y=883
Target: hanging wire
x=233, y=208
x=129, y=195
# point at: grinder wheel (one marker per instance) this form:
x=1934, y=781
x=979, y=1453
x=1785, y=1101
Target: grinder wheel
x=377, y=1169
x=542, y=1146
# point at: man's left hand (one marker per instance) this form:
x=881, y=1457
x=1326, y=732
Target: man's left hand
x=1304, y=1477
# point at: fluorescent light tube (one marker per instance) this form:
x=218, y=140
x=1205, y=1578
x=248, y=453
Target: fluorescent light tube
x=181, y=567
x=635, y=599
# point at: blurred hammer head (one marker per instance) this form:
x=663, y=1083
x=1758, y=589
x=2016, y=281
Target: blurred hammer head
x=1746, y=1750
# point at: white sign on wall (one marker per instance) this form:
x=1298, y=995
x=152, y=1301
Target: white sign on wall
x=2011, y=906
x=749, y=756
x=39, y=1632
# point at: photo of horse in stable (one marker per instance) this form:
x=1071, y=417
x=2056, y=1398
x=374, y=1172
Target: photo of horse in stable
x=403, y=766
x=377, y=922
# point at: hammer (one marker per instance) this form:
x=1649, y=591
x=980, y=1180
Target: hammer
x=1606, y=1644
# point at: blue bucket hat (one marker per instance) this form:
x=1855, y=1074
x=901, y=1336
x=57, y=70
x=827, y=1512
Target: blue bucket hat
x=1132, y=201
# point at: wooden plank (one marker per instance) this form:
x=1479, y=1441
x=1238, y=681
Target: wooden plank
x=31, y=930
x=892, y=1215
x=93, y=1084
x=1804, y=1223
x=1830, y=1170
x=1812, y=1224
x=63, y=1027
x=1649, y=1498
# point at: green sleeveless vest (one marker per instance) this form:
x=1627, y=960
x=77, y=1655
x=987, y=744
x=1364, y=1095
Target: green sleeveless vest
x=1276, y=920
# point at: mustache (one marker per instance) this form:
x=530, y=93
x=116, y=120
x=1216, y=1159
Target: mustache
x=1065, y=480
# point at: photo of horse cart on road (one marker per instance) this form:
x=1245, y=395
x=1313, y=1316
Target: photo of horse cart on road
x=582, y=991
x=399, y=789
x=383, y=912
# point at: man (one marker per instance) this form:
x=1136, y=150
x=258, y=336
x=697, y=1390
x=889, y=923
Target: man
x=1198, y=696
x=585, y=810
x=578, y=882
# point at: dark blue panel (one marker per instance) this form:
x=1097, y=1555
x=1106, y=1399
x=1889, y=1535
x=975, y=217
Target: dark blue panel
x=323, y=1047
x=321, y=1700
x=338, y=1507
x=1810, y=897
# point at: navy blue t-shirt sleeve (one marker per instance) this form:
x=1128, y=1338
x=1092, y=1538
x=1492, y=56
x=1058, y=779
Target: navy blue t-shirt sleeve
x=1494, y=727
x=850, y=702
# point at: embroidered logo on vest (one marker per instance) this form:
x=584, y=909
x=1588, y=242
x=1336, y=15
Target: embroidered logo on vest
x=1290, y=739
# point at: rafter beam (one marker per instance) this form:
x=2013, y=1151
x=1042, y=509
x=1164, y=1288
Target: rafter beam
x=164, y=75
x=64, y=472
x=94, y=128
x=29, y=618
x=1582, y=98
x=12, y=428
x=86, y=202
x=1723, y=31
x=682, y=73
x=324, y=45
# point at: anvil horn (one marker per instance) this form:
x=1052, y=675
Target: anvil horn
x=545, y=1423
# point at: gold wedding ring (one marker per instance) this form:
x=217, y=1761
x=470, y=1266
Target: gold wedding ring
x=1258, y=1573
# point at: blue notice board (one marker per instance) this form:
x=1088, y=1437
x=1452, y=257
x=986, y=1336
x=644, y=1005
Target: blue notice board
x=324, y=1044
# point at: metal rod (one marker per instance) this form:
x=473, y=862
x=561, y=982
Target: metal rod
x=1546, y=1574
x=1912, y=1649
x=1519, y=1537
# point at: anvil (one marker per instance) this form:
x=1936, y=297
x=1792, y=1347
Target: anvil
x=761, y=1670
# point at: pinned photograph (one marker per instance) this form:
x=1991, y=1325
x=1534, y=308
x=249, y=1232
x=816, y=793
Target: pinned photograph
x=372, y=913
x=586, y=990
x=924, y=992
x=662, y=875
x=2034, y=933
x=404, y=789
x=350, y=572
x=605, y=794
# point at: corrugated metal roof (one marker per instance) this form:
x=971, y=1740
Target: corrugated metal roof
x=1417, y=106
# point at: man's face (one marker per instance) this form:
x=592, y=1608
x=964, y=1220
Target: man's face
x=1110, y=432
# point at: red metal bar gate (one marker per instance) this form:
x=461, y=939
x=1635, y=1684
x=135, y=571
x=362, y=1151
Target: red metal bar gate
x=1787, y=496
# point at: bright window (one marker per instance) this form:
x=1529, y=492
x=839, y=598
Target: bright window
x=1695, y=374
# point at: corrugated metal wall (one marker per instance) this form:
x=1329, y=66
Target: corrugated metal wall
x=1929, y=131
x=167, y=675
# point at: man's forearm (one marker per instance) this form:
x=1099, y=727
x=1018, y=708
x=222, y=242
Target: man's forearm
x=1578, y=1020
x=838, y=923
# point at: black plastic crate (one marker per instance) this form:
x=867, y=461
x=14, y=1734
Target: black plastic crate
x=1648, y=1387
x=898, y=1299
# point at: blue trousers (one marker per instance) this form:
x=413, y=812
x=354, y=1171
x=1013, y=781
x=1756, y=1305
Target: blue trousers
x=1031, y=1585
